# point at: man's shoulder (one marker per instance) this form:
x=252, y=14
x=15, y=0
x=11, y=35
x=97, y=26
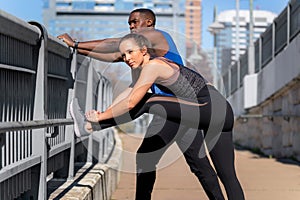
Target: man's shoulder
x=154, y=36
x=151, y=32
x=155, y=31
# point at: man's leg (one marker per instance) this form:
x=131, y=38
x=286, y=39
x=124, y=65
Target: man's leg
x=190, y=144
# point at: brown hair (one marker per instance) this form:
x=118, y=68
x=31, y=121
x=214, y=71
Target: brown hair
x=140, y=40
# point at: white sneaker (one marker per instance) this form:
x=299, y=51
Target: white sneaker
x=79, y=119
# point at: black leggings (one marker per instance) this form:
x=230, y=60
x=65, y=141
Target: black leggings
x=215, y=118
x=154, y=146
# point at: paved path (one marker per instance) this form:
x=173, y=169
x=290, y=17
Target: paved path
x=261, y=178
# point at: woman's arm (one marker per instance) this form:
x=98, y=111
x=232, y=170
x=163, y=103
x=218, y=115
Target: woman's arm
x=147, y=78
x=121, y=96
x=124, y=105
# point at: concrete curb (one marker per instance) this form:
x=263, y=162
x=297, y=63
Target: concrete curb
x=92, y=181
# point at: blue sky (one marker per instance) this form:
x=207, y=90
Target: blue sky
x=29, y=10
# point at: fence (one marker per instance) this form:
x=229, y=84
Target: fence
x=276, y=37
x=37, y=75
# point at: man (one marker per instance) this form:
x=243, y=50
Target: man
x=160, y=133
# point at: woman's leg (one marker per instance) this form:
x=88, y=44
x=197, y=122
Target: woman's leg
x=221, y=152
x=160, y=135
x=190, y=144
x=222, y=155
x=217, y=121
x=147, y=157
x=191, y=115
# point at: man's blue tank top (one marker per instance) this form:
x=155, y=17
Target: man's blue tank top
x=173, y=55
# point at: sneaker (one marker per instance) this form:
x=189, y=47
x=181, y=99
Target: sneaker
x=79, y=119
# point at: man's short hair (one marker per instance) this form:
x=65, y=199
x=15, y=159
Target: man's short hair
x=148, y=13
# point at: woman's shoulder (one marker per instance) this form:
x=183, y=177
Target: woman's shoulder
x=157, y=60
x=155, y=65
x=160, y=60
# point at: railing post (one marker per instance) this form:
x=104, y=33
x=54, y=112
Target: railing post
x=238, y=73
x=260, y=54
x=89, y=106
x=70, y=129
x=229, y=80
x=288, y=23
x=100, y=108
x=100, y=94
x=273, y=40
x=39, y=142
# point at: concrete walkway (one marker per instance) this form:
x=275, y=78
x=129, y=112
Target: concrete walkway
x=262, y=178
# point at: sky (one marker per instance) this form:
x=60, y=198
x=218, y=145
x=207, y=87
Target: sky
x=31, y=10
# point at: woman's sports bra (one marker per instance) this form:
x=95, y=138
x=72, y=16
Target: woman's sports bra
x=184, y=82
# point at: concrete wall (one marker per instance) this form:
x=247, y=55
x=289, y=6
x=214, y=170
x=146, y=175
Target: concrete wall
x=270, y=122
x=277, y=131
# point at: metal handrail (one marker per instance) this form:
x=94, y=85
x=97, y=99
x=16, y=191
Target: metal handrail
x=43, y=142
x=35, y=124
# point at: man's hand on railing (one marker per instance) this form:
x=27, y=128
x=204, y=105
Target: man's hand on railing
x=66, y=38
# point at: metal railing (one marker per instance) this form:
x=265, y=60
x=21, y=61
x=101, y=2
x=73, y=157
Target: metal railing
x=37, y=74
x=273, y=41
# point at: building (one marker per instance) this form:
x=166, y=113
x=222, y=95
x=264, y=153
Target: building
x=197, y=59
x=193, y=20
x=94, y=19
x=226, y=38
x=98, y=19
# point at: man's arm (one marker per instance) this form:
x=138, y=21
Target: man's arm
x=108, y=45
x=111, y=45
x=106, y=57
x=104, y=50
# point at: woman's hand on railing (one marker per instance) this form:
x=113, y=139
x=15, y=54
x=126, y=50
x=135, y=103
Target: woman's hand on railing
x=92, y=115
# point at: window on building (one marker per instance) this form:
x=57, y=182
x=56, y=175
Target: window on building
x=241, y=19
x=83, y=5
x=62, y=4
x=260, y=19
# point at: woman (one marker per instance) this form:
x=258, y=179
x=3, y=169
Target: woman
x=196, y=103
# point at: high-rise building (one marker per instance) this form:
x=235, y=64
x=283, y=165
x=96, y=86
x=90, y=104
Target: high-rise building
x=226, y=38
x=193, y=21
x=197, y=59
x=94, y=19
